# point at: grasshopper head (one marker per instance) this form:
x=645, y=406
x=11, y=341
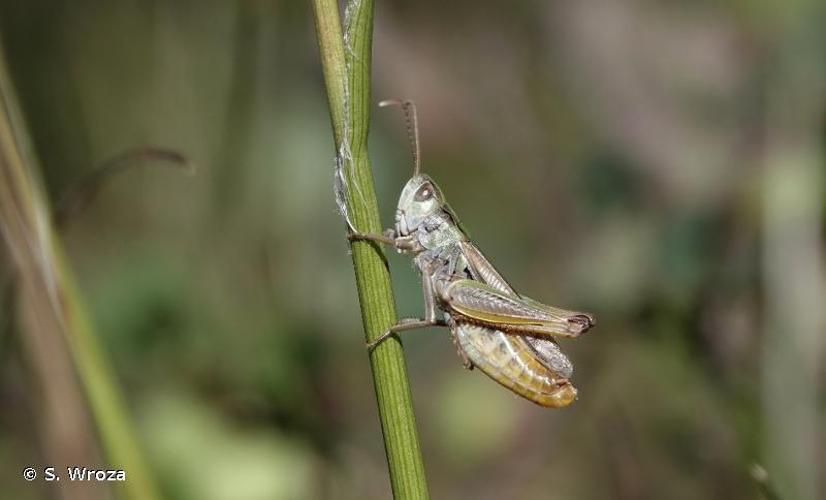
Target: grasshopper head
x=420, y=198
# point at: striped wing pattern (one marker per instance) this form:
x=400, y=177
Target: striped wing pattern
x=532, y=367
x=485, y=304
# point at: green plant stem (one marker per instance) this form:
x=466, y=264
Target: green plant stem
x=347, y=77
x=54, y=311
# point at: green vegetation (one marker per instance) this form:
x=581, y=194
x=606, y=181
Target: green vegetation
x=346, y=62
x=60, y=339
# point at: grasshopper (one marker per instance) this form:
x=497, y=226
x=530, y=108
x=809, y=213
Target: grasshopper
x=511, y=338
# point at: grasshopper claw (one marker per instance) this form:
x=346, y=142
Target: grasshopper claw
x=378, y=340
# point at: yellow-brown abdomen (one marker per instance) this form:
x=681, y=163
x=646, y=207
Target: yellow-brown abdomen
x=509, y=360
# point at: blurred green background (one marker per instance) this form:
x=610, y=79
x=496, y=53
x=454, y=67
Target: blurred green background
x=659, y=164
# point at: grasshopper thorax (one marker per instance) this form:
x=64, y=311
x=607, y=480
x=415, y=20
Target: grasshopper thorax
x=421, y=199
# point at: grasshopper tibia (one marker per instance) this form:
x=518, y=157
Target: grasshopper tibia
x=402, y=325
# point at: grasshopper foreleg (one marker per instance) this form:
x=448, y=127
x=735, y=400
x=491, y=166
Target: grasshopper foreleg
x=385, y=239
x=403, y=244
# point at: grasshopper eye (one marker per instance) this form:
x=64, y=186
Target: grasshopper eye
x=424, y=193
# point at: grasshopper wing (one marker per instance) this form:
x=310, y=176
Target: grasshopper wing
x=482, y=303
x=512, y=362
x=482, y=270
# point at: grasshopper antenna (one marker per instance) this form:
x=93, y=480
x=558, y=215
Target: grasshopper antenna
x=409, y=108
